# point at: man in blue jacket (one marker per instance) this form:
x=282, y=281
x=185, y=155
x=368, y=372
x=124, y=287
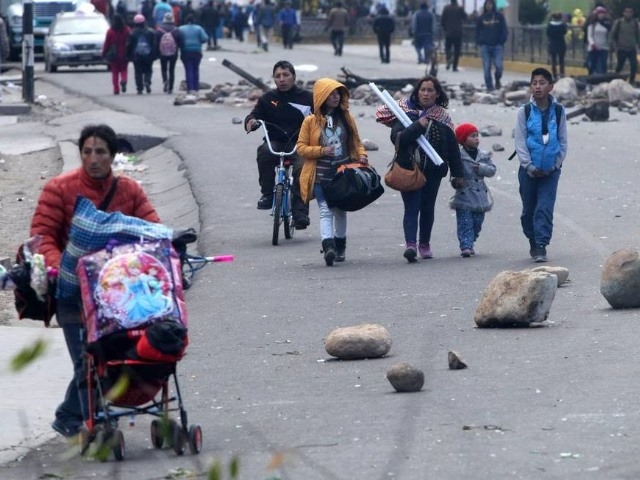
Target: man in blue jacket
x=541, y=144
x=491, y=35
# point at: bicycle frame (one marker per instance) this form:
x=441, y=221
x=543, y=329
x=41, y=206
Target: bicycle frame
x=281, y=207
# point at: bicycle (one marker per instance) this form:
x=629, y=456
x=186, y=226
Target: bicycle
x=192, y=263
x=281, y=207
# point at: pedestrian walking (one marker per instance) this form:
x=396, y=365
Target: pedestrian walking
x=337, y=24
x=288, y=23
x=210, y=21
x=557, y=46
x=98, y=145
x=328, y=138
x=452, y=21
x=491, y=35
x=426, y=107
x=192, y=37
x=472, y=201
x=159, y=10
x=422, y=24
x=5, y=47
x=541, y=145
x=114, y=50
x=626, y=39
x=265, y=19
x=167, y=39
x=141, y=51
x=598, y=40
x=384, y=25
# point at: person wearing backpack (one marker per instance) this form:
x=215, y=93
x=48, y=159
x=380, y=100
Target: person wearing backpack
x=626, y=38
x=167, y=47
x=141, y=51
x=191, y=36
x=541, y=145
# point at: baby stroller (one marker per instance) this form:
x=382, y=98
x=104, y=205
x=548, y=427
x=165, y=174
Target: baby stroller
x=136, y=324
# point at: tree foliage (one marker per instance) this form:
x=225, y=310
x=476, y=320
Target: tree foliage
x=532, y=12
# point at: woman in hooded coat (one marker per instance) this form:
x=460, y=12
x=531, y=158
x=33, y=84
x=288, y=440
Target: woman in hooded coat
x=328, y=138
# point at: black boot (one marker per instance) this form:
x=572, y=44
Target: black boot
x=329, y=250
x=341, y=246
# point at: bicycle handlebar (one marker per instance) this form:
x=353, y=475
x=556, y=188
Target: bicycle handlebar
x=262, y=124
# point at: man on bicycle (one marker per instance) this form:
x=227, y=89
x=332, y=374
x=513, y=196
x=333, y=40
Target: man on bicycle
x=283, y=109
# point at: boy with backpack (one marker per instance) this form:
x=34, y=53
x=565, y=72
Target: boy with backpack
x=167, y=46
x=142, y=52
x=541, y=145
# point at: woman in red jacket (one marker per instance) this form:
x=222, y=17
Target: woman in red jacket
x=52, y=222
x=116, y=41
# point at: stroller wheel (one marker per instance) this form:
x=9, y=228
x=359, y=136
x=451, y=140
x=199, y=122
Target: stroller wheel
x=117, y=445
x=157, y=436
x=179, y=440
x=195, y=439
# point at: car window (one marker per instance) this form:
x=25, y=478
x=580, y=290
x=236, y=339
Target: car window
x=80, y=25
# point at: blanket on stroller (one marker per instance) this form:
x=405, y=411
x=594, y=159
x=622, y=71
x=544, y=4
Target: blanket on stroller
x=133, y=285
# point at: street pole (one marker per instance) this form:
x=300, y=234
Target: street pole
x=27, y=51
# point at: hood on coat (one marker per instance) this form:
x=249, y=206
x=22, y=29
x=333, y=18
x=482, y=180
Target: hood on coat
x=322, y=88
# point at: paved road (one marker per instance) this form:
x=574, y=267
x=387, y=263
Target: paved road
x=558, y=402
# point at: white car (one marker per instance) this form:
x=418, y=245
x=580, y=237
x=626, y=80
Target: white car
x=75, y=39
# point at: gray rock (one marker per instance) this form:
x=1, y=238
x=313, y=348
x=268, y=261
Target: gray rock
x=369, y=145
x=236, y=121
x=405, y=377
x=358, y=342
x=620, y=279
x=490, y=131
x=496, y=147
x=621, y=91
x=565, y=89
x=517, y=96
x=516, y=299
x=455, y=362
x=560, y=272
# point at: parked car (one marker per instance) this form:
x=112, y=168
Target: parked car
x=75, y=39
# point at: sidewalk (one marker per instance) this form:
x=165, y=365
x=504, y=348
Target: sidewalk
x=30, y=397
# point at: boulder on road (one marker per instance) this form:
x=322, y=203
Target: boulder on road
x=405, y=377
x=358, y=342
x=560, y=272
x=620, y=279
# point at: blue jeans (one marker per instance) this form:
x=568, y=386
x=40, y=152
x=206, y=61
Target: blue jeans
x=538, y=199
x=423, y=45
x=191, y=62
x=420, y=203
x=491, y=55
x=75, y=406
x=469, y=225
x=333, y=221
x=599, y=60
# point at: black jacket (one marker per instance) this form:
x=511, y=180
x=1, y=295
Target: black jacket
x=384, y=25
x=277, y=108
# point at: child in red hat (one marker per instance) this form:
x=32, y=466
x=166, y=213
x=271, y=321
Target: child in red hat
x=474, y=199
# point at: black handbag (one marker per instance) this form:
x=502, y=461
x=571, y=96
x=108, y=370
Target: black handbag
x=353, y=187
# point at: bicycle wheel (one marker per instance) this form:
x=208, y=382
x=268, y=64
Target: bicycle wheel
x=288, y=217
x=277, y=213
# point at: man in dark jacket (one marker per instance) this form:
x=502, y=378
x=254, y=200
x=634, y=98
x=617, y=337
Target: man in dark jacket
x=491, y=35
x=452, y=21
x=383, y=26
x=422, y=28
x=285, y=107
x=141, y=50
x=210, y=21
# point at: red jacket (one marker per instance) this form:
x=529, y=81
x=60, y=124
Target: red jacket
x=52, y=217
x=119, y=39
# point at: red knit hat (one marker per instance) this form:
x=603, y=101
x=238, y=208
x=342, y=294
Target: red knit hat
x=463, y=131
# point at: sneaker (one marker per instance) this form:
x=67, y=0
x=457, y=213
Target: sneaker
x=65, y=429
x=123, y=86
x=410, y=253
x=498, y=84
x=265, y=202
x=466, y=252
x=148, y=87
x=301, y=222
x=472, y=251
x=425, y=250
x=540, y=254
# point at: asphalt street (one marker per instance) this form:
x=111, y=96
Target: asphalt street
x=557, y=402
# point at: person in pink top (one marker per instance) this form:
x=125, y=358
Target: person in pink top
x=117, y=37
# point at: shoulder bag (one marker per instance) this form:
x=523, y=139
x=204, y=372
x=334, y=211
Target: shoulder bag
x=403, y=179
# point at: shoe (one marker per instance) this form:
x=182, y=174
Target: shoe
x=116, y=92
x=532, y=248
x=66, y=430
x=148, y=87
x=123, y=87
x=473, y=252
x=448, y=65
x=139, y=92
x=425, y=250
x=265, y=202
x=341, y=247
x=329, y=250
x=300, y=222
x=540, y=254
x=165, y=87
x=465, y=253
x=498, y=84
x=410, y=253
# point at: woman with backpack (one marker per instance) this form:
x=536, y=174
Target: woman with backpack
x=167, y=47
x=141, y=51
x=114, y=51
x=192, y=36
